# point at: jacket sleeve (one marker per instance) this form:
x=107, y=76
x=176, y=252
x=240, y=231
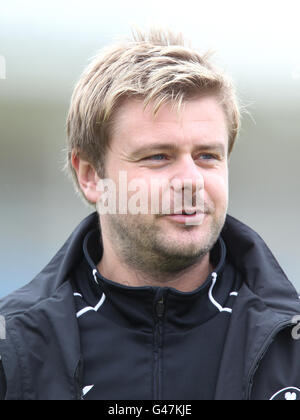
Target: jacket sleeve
x=2, y=383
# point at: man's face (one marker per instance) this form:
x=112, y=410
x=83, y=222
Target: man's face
x=191, y=145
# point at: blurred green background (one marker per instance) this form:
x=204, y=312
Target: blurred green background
x=44, y=47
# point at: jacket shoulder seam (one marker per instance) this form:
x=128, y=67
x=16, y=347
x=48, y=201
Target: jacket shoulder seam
x=11, y=315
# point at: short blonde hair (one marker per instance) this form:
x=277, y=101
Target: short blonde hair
x=158, y=67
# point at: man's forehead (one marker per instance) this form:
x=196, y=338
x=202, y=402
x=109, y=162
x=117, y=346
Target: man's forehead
x=199, y=120
x=197, y=107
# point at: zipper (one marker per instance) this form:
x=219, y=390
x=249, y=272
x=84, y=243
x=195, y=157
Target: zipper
x=159, y=310
x=280, y=327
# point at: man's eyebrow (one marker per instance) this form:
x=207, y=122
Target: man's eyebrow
x=150, y=148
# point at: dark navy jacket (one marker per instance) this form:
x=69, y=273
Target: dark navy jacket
x=41, y=353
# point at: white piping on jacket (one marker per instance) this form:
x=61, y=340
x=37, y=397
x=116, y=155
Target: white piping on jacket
x=211, y=298
x=90, y=308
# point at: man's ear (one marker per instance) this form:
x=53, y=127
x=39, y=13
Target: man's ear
x=87, y=176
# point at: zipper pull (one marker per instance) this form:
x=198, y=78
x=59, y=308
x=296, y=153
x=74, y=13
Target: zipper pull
x=160, y=308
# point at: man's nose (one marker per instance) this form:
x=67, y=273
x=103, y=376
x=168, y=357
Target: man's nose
x=187, y=171
x=187, y=179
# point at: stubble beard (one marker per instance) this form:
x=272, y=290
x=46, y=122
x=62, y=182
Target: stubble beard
x=146, y=248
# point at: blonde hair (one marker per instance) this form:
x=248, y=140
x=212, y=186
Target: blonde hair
x=159, y=68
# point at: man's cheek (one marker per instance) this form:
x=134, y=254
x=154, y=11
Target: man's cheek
x=222, y=189
x=217, y=192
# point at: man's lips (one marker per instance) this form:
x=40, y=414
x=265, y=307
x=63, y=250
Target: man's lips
x=188, y=212
x=188, y=219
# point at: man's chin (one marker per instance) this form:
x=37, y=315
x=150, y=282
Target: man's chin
x=184, y=245
x=189, y=240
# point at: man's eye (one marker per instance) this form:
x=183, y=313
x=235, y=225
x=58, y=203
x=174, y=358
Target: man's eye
x=157, y=157
x=207, y=156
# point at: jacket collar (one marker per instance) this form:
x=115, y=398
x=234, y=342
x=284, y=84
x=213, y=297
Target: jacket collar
x=136, y=306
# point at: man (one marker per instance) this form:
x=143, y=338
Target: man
x=145, y=302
